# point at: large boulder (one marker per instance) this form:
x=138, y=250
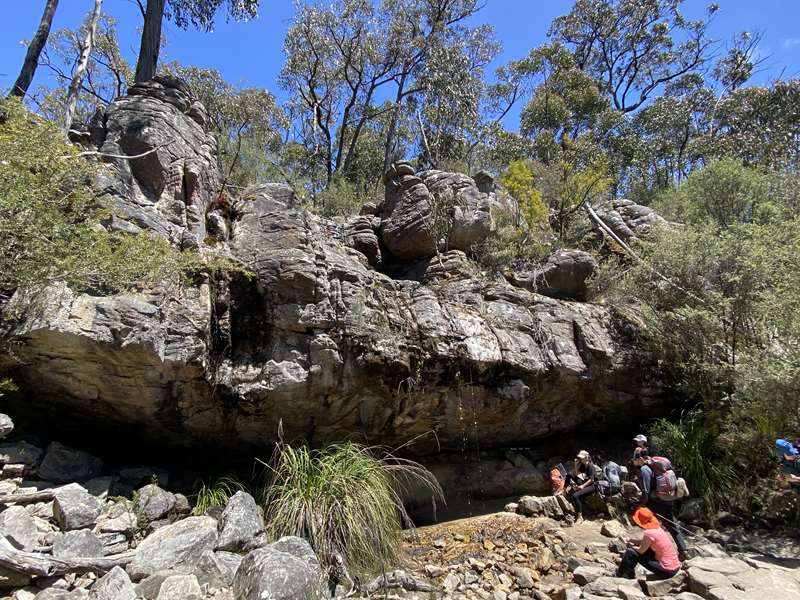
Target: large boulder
x=169, y=189
x=627, y=219
x=21, y=453
x=177, y=547
x=75, y=508
x=563, y=275
x=155, y=503
x=63, y=464
x=423, y=212
x=278, y=572
x=241, y=527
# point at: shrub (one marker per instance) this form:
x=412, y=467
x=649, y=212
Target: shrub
x=694, y=447
x=345, y=500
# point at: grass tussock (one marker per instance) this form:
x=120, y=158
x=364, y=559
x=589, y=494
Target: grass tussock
x=346, y=500
x=217, y=493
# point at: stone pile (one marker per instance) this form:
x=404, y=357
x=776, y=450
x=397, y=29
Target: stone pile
x=68, y=532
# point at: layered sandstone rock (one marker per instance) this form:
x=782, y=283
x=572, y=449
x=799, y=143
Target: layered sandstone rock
x=319, y=339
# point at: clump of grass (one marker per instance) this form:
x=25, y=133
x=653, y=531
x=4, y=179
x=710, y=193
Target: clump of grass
x=345, y=500
x=217, y=493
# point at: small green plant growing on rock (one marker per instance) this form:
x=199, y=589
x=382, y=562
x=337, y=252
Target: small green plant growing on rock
x=346, y=500
x=217, y=493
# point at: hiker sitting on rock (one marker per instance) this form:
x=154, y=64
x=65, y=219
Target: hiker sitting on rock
x=581, y=482
x=656, y=551
x=659, y=486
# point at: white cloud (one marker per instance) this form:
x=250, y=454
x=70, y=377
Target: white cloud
x=790, y=42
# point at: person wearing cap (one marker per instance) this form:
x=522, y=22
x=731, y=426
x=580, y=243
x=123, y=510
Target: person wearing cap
x=657, y=551
x=641, y=441
x=582, y=481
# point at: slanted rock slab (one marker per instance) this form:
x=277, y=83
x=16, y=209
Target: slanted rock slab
x=178, y=546
x=19, y=528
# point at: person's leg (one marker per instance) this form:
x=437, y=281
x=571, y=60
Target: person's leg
x=649, y=562
x=577, y=496
x=627, y=566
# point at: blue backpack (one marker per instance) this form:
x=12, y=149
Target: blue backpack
x=784, y=447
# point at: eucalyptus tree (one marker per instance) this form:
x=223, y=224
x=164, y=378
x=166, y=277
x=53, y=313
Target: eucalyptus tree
x=633, y=48
x=347, y=57
x=23, y=82
x=200, y=13
x=107, y=74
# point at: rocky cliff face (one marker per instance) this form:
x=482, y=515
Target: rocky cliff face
x=325, y=338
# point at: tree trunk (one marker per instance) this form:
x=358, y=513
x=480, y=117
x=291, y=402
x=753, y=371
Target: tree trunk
x=151, y=41
x=41, y=565
x=34, y=50
x=390, y=135
x=80, y=69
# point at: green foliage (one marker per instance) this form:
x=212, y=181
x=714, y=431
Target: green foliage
x=693, y=445
x=344, y=500
x=717, y=298
x=342, y=198
x=724, y=192
x=215, y=494
x=49, y=220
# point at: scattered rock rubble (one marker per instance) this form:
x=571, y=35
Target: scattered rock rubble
x=85, y=540
x=68, y=532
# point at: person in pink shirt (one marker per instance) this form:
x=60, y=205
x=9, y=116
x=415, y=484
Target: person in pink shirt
x=657, y=551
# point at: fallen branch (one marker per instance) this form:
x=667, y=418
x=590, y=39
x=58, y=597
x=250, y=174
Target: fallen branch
x=120, y=156
x=398, y=579
x=39, y=565
x=28, y=498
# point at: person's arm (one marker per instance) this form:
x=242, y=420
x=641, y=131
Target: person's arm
x=644, y=546
x=791, y=457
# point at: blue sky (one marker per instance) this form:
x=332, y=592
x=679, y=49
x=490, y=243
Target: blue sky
x=251, y=54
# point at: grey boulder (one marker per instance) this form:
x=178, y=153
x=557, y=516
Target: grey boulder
x=63, y=464
x=564, y=275
x=274, y=573
x=78, y=544
x=6, y=425
x=75, y=508
x=178, y=546
x=21, y=453
x=114, y=585
x=19, y=528
x=180, y=587
x=155, y=503
x=241, y=527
